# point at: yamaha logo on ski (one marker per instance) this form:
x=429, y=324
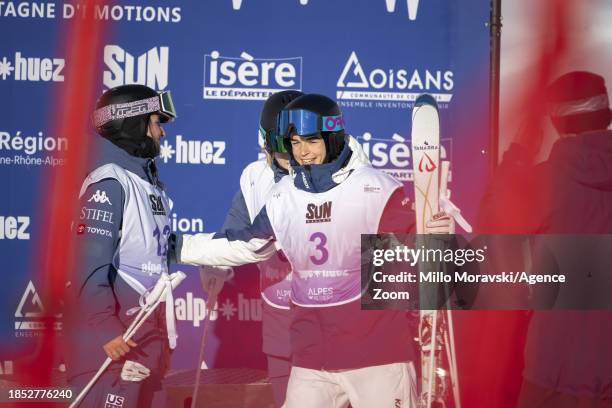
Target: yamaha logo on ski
x=426, y=146
x=157, y=205
x=318, y=213
x=249, y=78
x=385, y=87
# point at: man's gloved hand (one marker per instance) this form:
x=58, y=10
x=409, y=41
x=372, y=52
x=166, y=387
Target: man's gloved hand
x=440, y=223
x=213, y=278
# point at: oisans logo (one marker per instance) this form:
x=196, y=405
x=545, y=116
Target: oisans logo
x=382, y=85
x=248, y=77
x=123, y=68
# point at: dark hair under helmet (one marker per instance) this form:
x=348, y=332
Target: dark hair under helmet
x=323, y=107
x=267, y=121
x=129, y=133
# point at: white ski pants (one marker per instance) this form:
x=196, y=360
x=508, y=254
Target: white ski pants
x=384, y=386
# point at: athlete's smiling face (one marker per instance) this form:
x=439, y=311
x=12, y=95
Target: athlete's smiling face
x=308, y=150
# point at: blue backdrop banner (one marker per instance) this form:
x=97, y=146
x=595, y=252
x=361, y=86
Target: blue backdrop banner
x=221, y=59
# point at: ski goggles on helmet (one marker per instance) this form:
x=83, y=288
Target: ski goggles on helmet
x=161, y=104
x=273, y=142
x=306, y=123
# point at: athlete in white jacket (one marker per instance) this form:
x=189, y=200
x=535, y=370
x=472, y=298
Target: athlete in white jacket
x=316, y=217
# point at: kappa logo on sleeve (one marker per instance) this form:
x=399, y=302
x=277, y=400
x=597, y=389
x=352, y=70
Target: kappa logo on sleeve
x=100, y=198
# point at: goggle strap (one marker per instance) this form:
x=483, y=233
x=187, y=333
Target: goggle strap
x=332, y=123
x=126, y=110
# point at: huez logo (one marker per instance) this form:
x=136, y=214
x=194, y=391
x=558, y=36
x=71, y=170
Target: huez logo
x=150, y=68
x=393, y=156
x=249, y=78
x=391, y=84
x=193, y=151
x=33, y=68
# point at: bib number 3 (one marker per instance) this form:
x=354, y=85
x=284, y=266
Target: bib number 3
x=320, y=240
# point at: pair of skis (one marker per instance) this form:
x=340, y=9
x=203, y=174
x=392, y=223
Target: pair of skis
x=439, y=377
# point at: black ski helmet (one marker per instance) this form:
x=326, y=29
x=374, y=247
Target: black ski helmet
x=323, y=107
x=267, y=121
x=578, y=102
x=118, y=121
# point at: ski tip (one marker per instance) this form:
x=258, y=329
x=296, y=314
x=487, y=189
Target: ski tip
x=425, y=99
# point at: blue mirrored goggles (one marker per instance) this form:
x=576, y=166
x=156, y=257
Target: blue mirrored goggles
x=306, y=123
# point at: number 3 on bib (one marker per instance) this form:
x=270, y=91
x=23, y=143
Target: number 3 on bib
x=319, y=240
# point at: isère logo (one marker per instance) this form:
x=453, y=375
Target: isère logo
x=249, y=78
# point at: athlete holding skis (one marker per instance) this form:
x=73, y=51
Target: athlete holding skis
x=316, y=217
